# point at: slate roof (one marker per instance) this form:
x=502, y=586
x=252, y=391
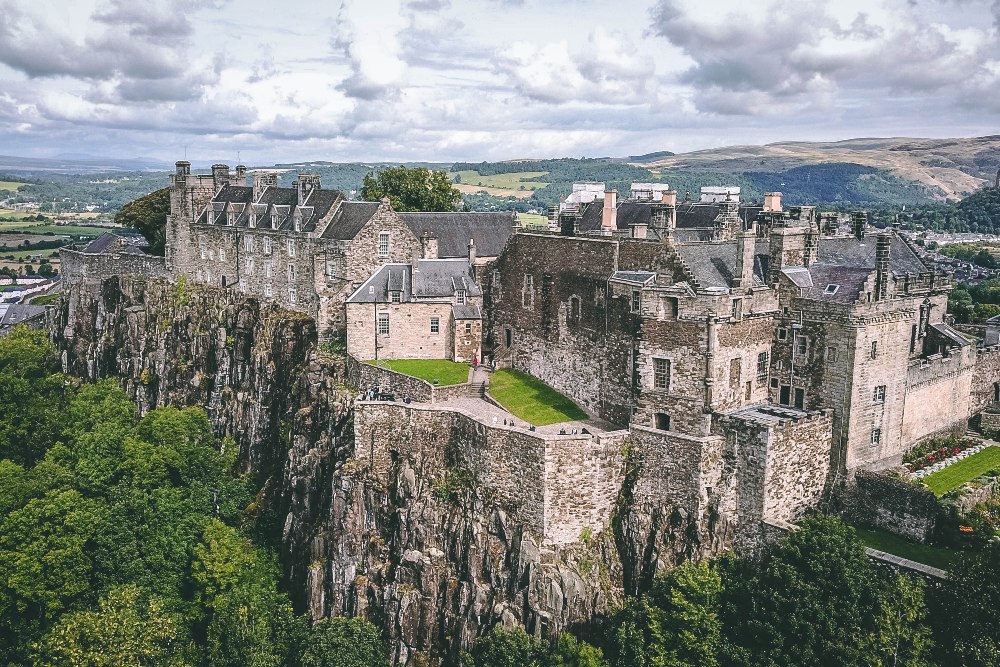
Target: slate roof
x=349, y=218
x=16, y=313
x=467, y=312
x=238, y=199
x=951, y=334
x=768, y=414
x=849, y=251
x=453, y=230
x=849, y=281
x=423, y=279
x=714, y=264
x=102, y=243
x=640, y=277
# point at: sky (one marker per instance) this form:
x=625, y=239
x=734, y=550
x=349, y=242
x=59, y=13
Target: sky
x=445, y=80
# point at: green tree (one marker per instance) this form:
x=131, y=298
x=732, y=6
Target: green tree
x=902, y=637
x=34, y=395
x=126, y=630
x=344, y=642
x=500, y=647
x=970, y=614
x=416, y=189
x=149, y=215
x=810, y=600
x=571, y=652
x=45, y=269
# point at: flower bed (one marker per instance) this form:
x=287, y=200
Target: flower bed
x=949, y=451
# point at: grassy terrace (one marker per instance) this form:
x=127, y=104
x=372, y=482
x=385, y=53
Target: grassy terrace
x=966, y=470
x=938, y=557
x=532, y=400
x=444, y=371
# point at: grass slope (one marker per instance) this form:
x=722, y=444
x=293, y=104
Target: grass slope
x=966, y=470
x=444, y=371
x=894, y=544
x=532, y=400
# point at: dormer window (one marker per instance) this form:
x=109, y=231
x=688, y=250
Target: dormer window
x=460, y=297
x=210, y=216
x=298, y=221
x=274, y=221
x=253, y=219
x=231, y=220
x=395, y=297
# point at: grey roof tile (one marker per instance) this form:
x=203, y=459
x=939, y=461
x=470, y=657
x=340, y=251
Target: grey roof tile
x=453, y=231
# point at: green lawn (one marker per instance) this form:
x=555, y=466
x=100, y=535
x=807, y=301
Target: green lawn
x=504, y=181
x=938, y=557
x=10, y=185
x=532, y=400
x=964, y=471
x=444, y=371
x=533, y=220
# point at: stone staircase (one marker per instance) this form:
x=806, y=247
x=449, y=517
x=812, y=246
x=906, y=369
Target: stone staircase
x=477, y=389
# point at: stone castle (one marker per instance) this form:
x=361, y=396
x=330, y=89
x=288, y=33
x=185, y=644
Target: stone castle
x=751, y=357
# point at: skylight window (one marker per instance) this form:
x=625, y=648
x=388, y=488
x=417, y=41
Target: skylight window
x=831, y=289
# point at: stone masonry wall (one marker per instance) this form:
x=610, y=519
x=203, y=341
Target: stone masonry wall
x=877, y=500
x=77, y=266
x=409, y=334
x=798, y=465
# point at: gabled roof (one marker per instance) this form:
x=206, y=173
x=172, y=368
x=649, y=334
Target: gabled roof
x=827, y=282
x=349, y=218
x=453, y=231
x=636, y=277
x=849, y=251
x=283, y=202
x=424, y=279
x=714, y=263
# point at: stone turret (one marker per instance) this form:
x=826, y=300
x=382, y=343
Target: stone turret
x=241, y=175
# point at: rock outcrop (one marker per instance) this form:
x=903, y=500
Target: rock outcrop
x=433, y=567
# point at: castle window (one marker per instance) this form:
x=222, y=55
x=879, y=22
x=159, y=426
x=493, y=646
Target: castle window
x=298, y=221
x=782, y=334
x=435, y=325
x=460, y=297
x=831, y=289
x=291, y=295
x=211, y=255
x=291, y=272
x=528, y=291
x=383, y=244
x=248, y=243
x=874, y=352
x=661, y=373
x=774, y=383
x=636, y=301
x=267, y=269
x=249, y=266
x=508, y=336
x=210, y=216
x=876, y=436
x=762, y=365
x=737, y=312
x=831, y=355
x=268, y=292
x=662, y=421
x=383, y=324
x=574, y=309
x=800, y=345
x=204, y=253
x=222, y=255
x=496, y=279
x=468, y=328
x=267, y=245
x=395, y=297
x=878, y=396
x=274, y=221
x=253, y=219
x=331, y=268
x=290, y=246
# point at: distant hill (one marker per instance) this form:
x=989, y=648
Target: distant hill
x=947, y=168
x=79, y=164
x=650, y=157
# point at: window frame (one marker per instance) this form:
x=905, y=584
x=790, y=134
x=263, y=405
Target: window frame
x=382, y=323
x=435, y=325
x=661, y=373
x=384, y=244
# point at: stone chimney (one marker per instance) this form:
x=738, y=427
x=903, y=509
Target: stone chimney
x=241, y=175
x=263, y=180
x=220, y=176
x=669, y=198
x=859, y=220
x=304, y=185
x=639, y=229
x=772, y=201
x=882, y=244
x=429, y=245
x=609, y=219
x=472, y=252
x=746, y=246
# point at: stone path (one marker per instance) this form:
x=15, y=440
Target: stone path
x=492, y=415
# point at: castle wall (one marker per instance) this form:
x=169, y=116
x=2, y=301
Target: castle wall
x=77, y=266
x=937, y=397
x=361, y=258
x=588, y=357
x=984, y=378
x=738, y=345
x=684, y=344
x=557, y=485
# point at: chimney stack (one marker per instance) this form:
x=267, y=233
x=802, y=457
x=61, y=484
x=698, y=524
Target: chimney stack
x=220, y=176
x=241, y=175
x=429, y=244
x=882, y=244
x=859, y=220
x=772, y=201
x=669, y=198
x=304, y=185
x=472, y=252
x=261, y=181
x=609, y=220
x=746, y=246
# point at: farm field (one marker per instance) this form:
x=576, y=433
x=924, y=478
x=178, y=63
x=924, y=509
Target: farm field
x=533, y=220
x=500, y=185
x=47, y=227
x=12, y=186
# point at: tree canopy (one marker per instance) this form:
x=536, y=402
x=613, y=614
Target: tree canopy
x=416, y=189
x=148, y=214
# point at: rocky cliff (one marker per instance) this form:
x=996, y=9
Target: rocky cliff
x=433, y=568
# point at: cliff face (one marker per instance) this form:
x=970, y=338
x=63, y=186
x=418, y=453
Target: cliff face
x=433, y=567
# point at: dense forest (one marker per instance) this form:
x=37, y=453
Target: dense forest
x=128, y=540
